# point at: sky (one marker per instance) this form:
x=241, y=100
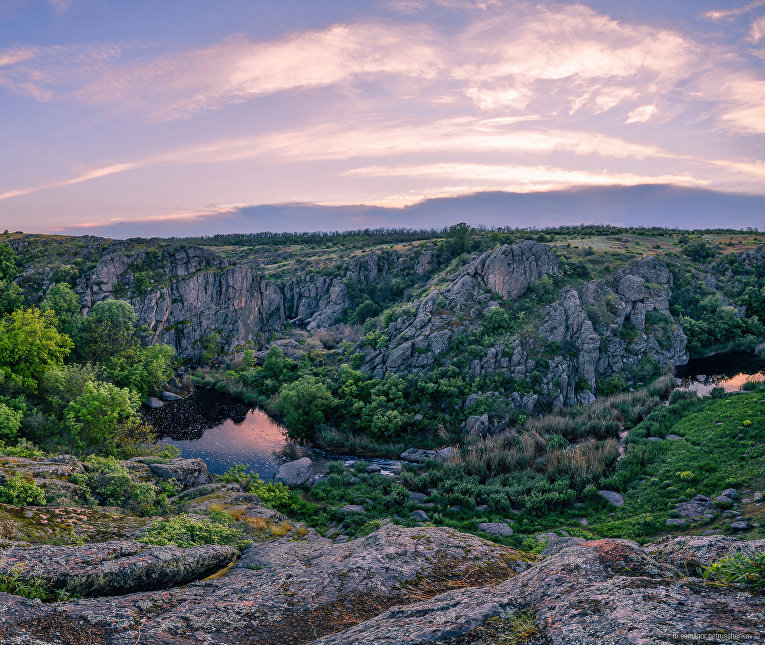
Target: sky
x=143, y=115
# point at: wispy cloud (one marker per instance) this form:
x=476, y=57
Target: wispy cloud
x=522, y=178
x=536, y=59
x=79, y=178
x=757, y=30
x=641, y=114
x=181, y=83
x=60, y=5
x=721, y=14
x=211, y=210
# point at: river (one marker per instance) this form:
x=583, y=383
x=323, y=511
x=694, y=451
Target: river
x=225, y=431
x=729, y=371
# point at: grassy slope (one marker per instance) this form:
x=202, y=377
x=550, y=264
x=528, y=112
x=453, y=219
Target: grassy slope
x=718, y=450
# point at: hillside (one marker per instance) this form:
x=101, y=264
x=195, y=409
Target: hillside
x=548, y=479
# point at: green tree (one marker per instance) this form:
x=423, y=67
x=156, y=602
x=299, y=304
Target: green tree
x=143, y=369
x=62, y=385
x=94, y=417
x=305, y=404
x=65, y=303
x=458, y=240
x=30, y=344
x=109, y=330
x=11, y=296
x=8, y=267
x=10, y=422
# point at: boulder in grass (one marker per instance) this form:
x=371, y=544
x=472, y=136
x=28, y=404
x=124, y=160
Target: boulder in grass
x=495, y=528
x=612, y=497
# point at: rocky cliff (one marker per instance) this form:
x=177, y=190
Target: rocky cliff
x=318, y=301
x=416, y=339
x=185, y=295
x=603, y=329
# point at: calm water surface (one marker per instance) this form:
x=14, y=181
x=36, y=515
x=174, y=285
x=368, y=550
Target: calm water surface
x=225, y=431
x=729, y=371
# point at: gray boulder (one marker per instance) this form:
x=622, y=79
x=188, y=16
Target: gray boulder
x=477, y=425
x=700, y=507
x=295, y=473
x=495, y=528
x=612, y=497
x=170, y=396
x=188, y=473
x=446, y=454
x=418, y=455
x=153, y=402
x=420, y=516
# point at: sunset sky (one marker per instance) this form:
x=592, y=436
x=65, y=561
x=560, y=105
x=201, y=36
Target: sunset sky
x=143, y=111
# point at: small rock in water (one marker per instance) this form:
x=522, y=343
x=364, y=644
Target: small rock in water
x=418, y=455
x=373, y=468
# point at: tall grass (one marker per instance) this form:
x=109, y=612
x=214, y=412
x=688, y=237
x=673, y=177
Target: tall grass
x=521, y=448
x=335, y=440
x=583, y=461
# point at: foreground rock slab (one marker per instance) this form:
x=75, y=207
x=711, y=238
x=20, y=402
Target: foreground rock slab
x=282, y=592
x=112, y=568
x=416, y=585
x=602, y=592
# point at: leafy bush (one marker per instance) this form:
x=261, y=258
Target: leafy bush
x=276, y=496
x=10, y=422
x=94, y=417
x=111, y=485
x=496, y=322
x=185, y=531
x=30, y=344
x=21, y=492
x=698, y=250
x=304, y=405
x=142, y=369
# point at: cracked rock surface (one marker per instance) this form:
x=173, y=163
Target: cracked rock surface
x=413, y=585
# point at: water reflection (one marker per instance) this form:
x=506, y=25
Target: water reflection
x=223, y=431
x=729, y=371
